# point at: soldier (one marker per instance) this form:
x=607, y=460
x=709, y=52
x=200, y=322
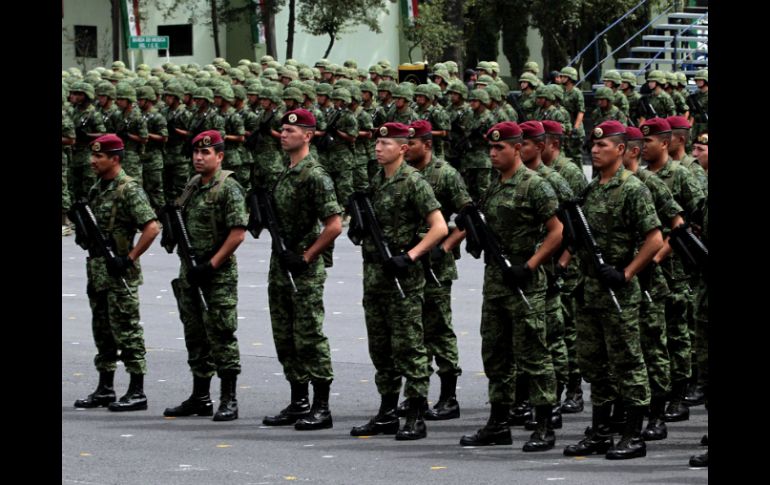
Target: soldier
x=152, y=158
x=214, y=210
x=548, y=95
x=403, y=202
x=176, y=166
x=660, y=101
x=250, y=123
x=385, y=100
x=700, y=149
x=401, y=112
x=234, y=134
x=303, y=196
x=375, y=114
x=688, y=194
x=363, y=139
x=620, y=212
x=680, y=138
x=459, y=122
x=680, y=103
x=131, y=128
x=120, y=207
x=67, y=140
x=531, y=67
x=105, y=93
x=605, y=110
x=519, y=206
x=375, y=71
x=340, y=158
x=440, y=339
x=88, y=125
x=700, y=121
x=628, y=88
x=435, y=114
x=268, y=158
x=528, y=82
x=495, y=108
x=574, y=103
x=475, y=166
x=612, y=80
x=652, y=319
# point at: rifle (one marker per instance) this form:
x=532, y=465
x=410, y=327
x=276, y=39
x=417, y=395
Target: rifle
x=514, y=101
x=694, y=103
x=175, y=234
x=480, y=237
x=88, y=235
x=689, y=248
x=325, y=142
x=647, y=110
x=187, y=148
x=458, y=140
x=81, y=136
x=255, y=137
x=261, y=216
x=583, y=236
x=363, y=221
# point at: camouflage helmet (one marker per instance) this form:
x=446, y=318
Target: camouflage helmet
x=273, y=94
x=671, y=78
x=613, y=76
x=703, y=75
x=369, y=86
x=316, y=73
x=657, y=76
x=113, y=75
x=543, y=91
x=530, y=78
x=341, y=93
x=389, y=71
x=255, y=68
x=236, y=74
x=350, y=63
x=188, y=86
x=224, y=65
x=118, y=65
x=531, y=66
x=404, y=92
x=105, y=88
x=270, y=74
x=384, y=63
x=174, y=69
x=156, y=84
x=146, y=92
x=174, y=89
x=458, y=87
x=443, y=74
x=494, y=66
x=494, y=93
x=604, y=93
x=557, y=90
x=225, y=92
x=265, y=59
x=306, y=74
x=436, y=90
x=424, y=90
x=343, y=83
x=681, y=79
x=376, y=69
x=361, y=72
x=254, y=87
x=628, y=77
x=203, y=93
x=570, y=72
x=75, y=72
x=479, y=95
x=274, y=64
x=293, y=93
x=308, y=90
x=324, y=89
x=124, y=90
x=388, y=86
x=451, y=67
x=291, y=62
x=83, y=87
x=355, y=94
x=239, y=91
x=210, y=68
x=439, y=65
x=485, y=79
x=295, y=84
x=485, y=66
x=65, y=74
x=322, y=63
x=288, y=73
x=244, y=62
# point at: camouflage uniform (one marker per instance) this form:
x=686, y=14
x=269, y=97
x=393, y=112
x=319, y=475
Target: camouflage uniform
x=121, y=207
x=476, y=167
x=663, y=104
x=512, y=335
x=340, y=160
x=67, y=131
x=210, y=213
x=574, y=103
x=152, y=158
x=176, y=165
x=130, y=121
x=599, y=116
x=364, y=152
x=394, y=325
x=438, y=118
x=81, y=177
x=234, y=150
x=268, y=157
x=690, y=163
x=250, y=123
x=303, y=195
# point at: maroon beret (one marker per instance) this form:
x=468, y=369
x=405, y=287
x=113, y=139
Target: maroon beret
x=207, y=139
x=678, y=123
x=420, y=128
x=393, y=130
x=507, y=130
x=655, y=126
x=633, y=133
x=553, y=127
x=702, y=139
x=532, y=129
x=299, y=117
x=107, y=143
x=608, y=128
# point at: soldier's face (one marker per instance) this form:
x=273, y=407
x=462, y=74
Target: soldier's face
x=475, y=104
x=652, y=84
x=701, y=152
x=123, y=103
x=530, y=150
x=416, y=151
x=609, y=84
x=624, y=85
x=389, y=150
x=253, y=98
x=421, y=100
x=217, y=101
x=540, y=102
x=103, y=100
x=265, y=103
x=339, y=104
x=605, y=152
x=654, y=148
x=206, y=160
x=401, y=103
x=700, y=83
x=503, y=155
x=294, y=137
x=603, y=103
x=103, y=164
x=456, y=98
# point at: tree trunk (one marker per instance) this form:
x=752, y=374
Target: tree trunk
x=455, y=17
x=331, y=44
x=115, y=30
x=215, y=27
x=270, y=46
x=290, y=37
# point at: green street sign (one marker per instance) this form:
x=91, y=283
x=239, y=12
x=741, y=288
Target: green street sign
x=148, y=42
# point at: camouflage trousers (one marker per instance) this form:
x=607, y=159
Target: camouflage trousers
x=268, y=166
x=652, y=328
x=297, y=320
x=176, y=172
x=371, y=167
x=395, y=333
x=340, y=165
x=702, y=336
x=116, y=329
x=573, y=147
x=360, y=174
x=477, y=180
x=440, y=338
x=678, y=331
x=610, y=355
x=513, y=338
x=554, y=337
x=132, y=164
x=81, y=176
x=66, y=201
x=209, y=335
x=152, y=178
x=234, y=160
x=568, y=303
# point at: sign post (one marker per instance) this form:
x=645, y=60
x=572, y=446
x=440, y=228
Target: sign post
x=148, y=42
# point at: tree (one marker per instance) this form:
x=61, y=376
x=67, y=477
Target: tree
x=336, y=17
x=430, y=31
x=515, y=35
x=455, y=15
x=483, y=22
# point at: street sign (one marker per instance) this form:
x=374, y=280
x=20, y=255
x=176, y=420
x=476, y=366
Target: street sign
x=148, y=42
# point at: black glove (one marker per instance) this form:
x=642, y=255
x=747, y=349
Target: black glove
x=119, y=266
x=437, y=253
x=612, y=277
x=292, y=261
x=560, y=271
x=200, y=274
x=398, y=266
x=517, y=275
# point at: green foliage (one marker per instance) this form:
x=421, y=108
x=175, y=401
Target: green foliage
x=336, y=17
x=430, y=31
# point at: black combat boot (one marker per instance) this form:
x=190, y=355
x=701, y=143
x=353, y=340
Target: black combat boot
x=543, y=438
x=556, y=420
x=700, y=461
x=573, y=400
x=320, y=417
x=495, y=432
x=414, y=427
x=677, y=410
x=134, y=398
x=447, y=406
x=599, y=439
x=103, y=395
x=656, y=427
x=198, y=404
x=385, y=422
x=631, y=444
x=228, y=404
x=402, y=408
x=618, y=418
x=299, y=407
x=521, y=411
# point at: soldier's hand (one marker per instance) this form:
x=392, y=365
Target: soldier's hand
x=398, y=266
x=200, y=274
x=437, y=253
x=517, y=275
x=612, y=277
x=292, y=261
x=119, y=266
